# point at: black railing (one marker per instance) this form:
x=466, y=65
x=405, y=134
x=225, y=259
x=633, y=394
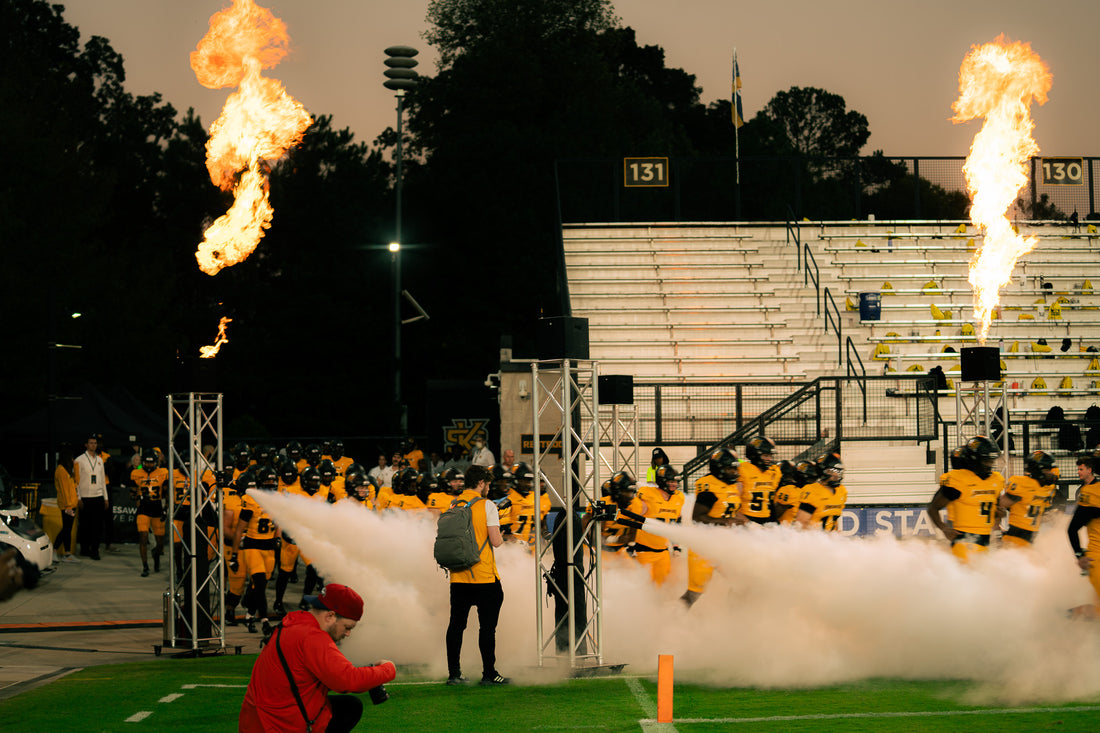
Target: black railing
x=819, y=414
x=860, y=376
x=833, y=319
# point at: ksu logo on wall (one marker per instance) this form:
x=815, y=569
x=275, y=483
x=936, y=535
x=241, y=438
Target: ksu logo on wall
x=464, y=431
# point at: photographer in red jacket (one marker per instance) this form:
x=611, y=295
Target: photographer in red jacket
x=301, y=663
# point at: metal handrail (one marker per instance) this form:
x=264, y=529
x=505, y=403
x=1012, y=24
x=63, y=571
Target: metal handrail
x=837, y=325
x=794, y=228
x=850, y=350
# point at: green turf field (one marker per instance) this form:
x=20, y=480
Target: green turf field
x=205, y=694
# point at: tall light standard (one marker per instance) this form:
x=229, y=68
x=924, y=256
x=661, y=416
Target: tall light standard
x=400, y=76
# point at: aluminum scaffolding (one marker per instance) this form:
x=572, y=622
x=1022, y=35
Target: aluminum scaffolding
x=568, y=564
x=194, y=605
x=974, y=413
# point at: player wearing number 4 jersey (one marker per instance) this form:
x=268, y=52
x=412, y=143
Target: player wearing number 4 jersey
x=970, y=495
x=1027, y=498
x=717, y=501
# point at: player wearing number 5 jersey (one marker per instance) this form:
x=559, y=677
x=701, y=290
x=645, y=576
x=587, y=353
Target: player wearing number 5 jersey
x=822, y=502
x=1027, y=499
x=717, y=501
x=970, y=495
x=759, y=480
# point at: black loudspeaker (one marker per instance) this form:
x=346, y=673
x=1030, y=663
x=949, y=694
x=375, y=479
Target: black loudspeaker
x=616, y=389
x=563, y=337
x=981, y=364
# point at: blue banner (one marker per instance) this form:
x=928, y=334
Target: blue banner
x=900, y=521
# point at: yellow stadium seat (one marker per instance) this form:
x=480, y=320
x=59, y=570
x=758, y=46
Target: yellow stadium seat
x=849, y=304
x=960, y=229
x=882, y=351
x=931, y=285
x=915, y=368
x=1004, y=367
x=1015, y=348
x=967, y=329
x=947, y=349
x=886, y=286
x=859, y=243
x=1086, y=287
x=895, y=337
x=956, y=368
x=938, y=314
x=1091, y=229
x=1038, y=348
x=1094, y=366
x=970, y=244
x=1095, y=386
x=1039, y=385
x=1054, y=312
x=1067, y=383
x=1026, y=317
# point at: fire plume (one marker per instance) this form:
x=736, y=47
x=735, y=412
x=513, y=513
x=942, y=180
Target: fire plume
x=209, y=352
x=998, y=81
x=257, y=125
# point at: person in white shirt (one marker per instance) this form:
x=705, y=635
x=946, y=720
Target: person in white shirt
x=378, y=471
x=92, y=501
x=481, y=455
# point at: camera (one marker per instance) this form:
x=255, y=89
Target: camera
x=604, y=512
x=378, y=695
x=503, y=502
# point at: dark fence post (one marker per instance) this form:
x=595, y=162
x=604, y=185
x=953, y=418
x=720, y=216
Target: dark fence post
x=657, y=418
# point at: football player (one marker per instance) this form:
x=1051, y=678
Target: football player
x=500, y=486
x=331, y=482
x=717, y=501
x=357, y=486
x=759, y=479
x=661, y=503
x=791, y=480
x=1087, y=516
x=449, y=484
x=406, y=483
x=231, y=512
x=242, y=459
x=148, y=484
x=971, y=496
x=622, y=493
x=254, y=547
x=311, y=457
x=339, y=460
x=822, y=502
x=1027, y=498
x=294, y=453
x=522, y=495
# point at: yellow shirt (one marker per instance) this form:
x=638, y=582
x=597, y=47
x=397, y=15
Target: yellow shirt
x=824, y=504
x=66, y=489
x=726, y=497
x=523, y=513
x=1034, y=500
x=658, y=508
x=973, y=510
x=757, y=488
x=486, y=570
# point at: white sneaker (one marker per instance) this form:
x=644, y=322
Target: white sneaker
x=70, y=558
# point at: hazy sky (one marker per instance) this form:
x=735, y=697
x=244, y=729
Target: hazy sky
x=896, y=62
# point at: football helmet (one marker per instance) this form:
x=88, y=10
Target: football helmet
x=149, y=460
x=1039, y=466
x=311, y=480
x=288, y=472
x=326, y=448
x=622, y=488
x=242, y=456
x=761, y=452
x=294, y=451
x=524, y=479
x=808, y=472
x=248, y=480
x=313, y=454
x=982, y=455
x=337, y=450
x=265, y=454
x=266, y=478
x=667, y=479
x=788, y=475
x=958, y=458
x=453, y=481
x=501, y=482
x=327, y=469
x=724, y=465
x=832, y=470
x=405, y=480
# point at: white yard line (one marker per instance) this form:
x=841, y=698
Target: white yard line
x=170, y=698
x=138, y=717
x=844, y=716
x=649, y=725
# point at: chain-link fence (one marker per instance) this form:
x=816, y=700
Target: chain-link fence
x=761, y=188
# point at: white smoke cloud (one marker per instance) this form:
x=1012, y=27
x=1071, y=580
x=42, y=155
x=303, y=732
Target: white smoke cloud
x=785, y=607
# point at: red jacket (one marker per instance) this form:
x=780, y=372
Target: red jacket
x=318, y=666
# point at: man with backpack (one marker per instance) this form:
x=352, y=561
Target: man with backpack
x=478, y=584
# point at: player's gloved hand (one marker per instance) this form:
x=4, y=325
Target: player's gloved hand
x=234, y=563
x=630, y=519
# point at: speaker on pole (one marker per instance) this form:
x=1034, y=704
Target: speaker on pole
x=562, y=337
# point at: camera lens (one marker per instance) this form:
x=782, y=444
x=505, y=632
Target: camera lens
x=378, y=695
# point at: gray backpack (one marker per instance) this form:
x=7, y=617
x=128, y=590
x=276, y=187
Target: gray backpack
x=456, y=546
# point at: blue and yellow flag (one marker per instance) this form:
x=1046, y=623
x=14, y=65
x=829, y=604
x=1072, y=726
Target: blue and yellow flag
x=738, y=114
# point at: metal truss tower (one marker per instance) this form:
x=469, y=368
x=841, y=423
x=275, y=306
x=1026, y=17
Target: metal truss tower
x=568, y=568
x=194, y=605
x=974, y=411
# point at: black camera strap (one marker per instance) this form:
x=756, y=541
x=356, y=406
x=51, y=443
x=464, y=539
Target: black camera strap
x=293, y=686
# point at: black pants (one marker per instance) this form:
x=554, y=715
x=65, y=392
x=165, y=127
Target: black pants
x=488, y=597
x=65, y=536
x=346, y=712
x=91, y=524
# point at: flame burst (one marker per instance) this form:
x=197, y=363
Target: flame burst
x=209, y=352
x=258, y=124
x=998, y=81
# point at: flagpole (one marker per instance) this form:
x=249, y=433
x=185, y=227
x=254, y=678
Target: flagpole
x=736, y=127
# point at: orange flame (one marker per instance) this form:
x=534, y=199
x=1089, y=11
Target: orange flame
x=209, y=352
x=258, y=124
x=998, y=81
